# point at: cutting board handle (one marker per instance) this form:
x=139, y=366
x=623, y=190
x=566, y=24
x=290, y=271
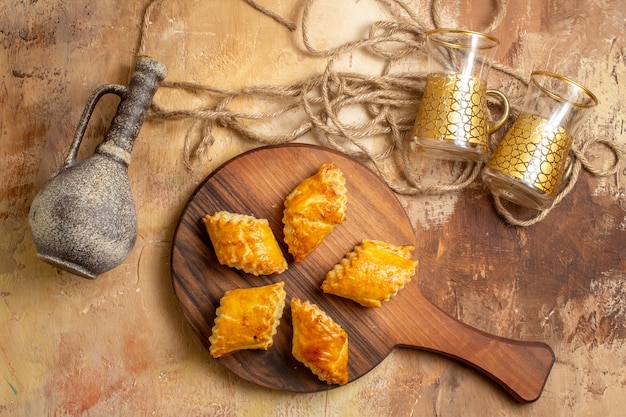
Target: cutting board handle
x=520, y=367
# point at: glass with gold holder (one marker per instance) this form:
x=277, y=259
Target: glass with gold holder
x=452, y=120
x=528, y=165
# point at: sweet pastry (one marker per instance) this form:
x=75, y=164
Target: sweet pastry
x=319, y=343
x=313, y=209
x=247, y=318
x=245, y=242
x=372, y=273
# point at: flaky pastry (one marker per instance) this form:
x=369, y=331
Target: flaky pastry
x=319, y=343
x=247, y=318
x=313, y=209
x=372, y=273
x=245, y=242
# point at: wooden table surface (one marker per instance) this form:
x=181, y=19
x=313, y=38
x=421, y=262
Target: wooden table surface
x=119, y=345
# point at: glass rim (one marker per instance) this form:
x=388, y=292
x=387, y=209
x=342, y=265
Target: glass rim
x=535, y=74
x=430, y=35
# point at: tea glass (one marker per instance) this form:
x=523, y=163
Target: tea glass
x=527, y=166
x=452, y=120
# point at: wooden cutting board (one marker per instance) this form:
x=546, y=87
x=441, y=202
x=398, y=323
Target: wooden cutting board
x=256, y=183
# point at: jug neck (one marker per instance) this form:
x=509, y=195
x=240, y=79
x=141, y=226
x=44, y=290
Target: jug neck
x=110, y=149
x=133, y=106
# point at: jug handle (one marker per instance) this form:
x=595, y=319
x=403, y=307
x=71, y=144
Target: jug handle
x=97, y=94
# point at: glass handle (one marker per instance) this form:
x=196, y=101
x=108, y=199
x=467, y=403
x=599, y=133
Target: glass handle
x=497, y=124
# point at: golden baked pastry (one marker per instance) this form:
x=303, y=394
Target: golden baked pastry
x=313, y=209
x=245, y=242
x=247, y=318
x=372, y=273
x=319, y=343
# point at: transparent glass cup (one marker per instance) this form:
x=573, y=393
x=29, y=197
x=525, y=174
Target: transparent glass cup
x=452, y=118
x=527, y=166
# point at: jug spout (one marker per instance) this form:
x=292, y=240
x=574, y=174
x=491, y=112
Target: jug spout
x=84, y=219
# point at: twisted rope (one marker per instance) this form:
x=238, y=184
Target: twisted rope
x=389, y=101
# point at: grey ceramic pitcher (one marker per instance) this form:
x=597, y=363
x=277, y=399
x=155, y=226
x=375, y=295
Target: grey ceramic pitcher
x=84, y=219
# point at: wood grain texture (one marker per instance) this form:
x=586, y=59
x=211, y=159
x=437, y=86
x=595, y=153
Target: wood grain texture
x=256, y=183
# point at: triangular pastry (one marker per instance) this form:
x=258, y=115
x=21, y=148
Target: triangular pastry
x=247, y=318
x=245, y=242
x=313, y=209
x=319, y=343
x=372, y=273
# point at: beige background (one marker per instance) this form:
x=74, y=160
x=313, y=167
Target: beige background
x=119, y=345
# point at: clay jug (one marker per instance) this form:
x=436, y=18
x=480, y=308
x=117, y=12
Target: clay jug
x=84, y=219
